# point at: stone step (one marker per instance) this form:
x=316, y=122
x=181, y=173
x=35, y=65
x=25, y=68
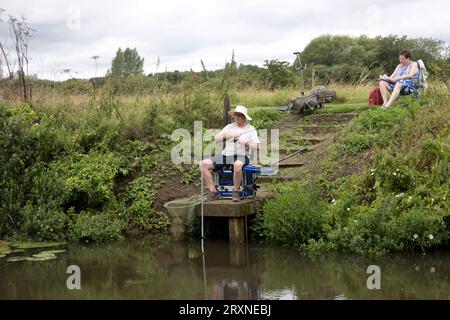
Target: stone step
x=337, y=117
x=287, y=151
x=311, y=139
x=320, y=128
x=290, y=164
x=275, y=178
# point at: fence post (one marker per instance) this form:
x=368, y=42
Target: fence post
x=226, y=109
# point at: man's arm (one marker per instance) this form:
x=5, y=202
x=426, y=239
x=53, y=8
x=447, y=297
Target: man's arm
x=253, y=146
x=252, y=143
x=225, y=135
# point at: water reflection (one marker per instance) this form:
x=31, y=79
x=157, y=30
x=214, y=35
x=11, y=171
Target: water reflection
x=149, y=269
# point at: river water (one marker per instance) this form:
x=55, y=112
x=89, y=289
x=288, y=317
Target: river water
x=160, y=269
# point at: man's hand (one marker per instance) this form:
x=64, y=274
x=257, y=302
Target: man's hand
x=244, y=142
x=231, y=135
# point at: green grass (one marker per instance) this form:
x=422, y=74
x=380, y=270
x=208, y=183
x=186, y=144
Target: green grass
x=343, y=107
x=384, y=182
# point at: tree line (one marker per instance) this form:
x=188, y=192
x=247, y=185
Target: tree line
x=328, y=58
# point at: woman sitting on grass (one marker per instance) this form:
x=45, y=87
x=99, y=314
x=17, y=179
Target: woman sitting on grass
x=400, y=79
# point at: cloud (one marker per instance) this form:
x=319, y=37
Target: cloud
x=183, y=32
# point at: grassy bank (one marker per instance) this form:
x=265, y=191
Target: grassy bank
x=383, y=186
x=97, y=166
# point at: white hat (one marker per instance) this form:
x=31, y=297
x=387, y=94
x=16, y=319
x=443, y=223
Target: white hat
x=242, y=110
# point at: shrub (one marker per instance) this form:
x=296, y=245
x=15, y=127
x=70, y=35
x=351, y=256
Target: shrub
x=44, y=223
x=88, y=178
x=420, y=227
x=138, y=199
x=294, y=216
x=96, y=227
x=356, y=142
x=263, y=118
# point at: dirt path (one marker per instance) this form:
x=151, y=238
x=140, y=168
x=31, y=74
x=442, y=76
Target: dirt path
x=312, y=134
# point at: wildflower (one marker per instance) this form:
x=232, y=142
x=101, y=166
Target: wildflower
x=400, y=195
x=348, y=209
x=394, y=173
x=415, y=236
x=430, y=236
x=333, y=201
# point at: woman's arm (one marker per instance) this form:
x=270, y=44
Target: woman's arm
x=411, y=74
x=392, y=76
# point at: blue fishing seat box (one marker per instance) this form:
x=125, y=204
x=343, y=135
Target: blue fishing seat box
x=223, y=179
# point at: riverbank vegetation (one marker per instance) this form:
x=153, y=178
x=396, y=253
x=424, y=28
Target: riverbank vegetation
x=90, y=159
x=384, y=185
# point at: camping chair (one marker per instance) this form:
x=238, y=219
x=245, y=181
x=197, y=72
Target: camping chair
x=417, y=84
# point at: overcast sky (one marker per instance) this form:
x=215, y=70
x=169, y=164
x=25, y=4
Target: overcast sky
x=182, y=32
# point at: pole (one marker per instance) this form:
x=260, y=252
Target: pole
x=226, y=109
x=203, y=237
x=300, y=67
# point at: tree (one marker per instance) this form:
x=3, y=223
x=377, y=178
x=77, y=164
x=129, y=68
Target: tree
x=280, y=74
x=126, y=63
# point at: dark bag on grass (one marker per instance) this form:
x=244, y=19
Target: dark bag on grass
x=375, y=98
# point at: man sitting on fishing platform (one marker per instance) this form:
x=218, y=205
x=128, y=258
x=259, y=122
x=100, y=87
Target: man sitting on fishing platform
x=240, y=137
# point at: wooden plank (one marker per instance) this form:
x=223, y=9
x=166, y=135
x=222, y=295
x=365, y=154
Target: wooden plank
x=228, y=208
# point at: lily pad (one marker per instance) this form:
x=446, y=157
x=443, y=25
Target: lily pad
x=52, y=251
x=4, y=249
x=15, y=259
x=32, y=245
x=44, y=255
x=41, y=258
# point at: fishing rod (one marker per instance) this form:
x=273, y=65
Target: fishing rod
x=289, y=156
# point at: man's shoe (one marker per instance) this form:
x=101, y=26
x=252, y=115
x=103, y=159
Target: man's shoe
x=212, y=195
x=236, y=196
